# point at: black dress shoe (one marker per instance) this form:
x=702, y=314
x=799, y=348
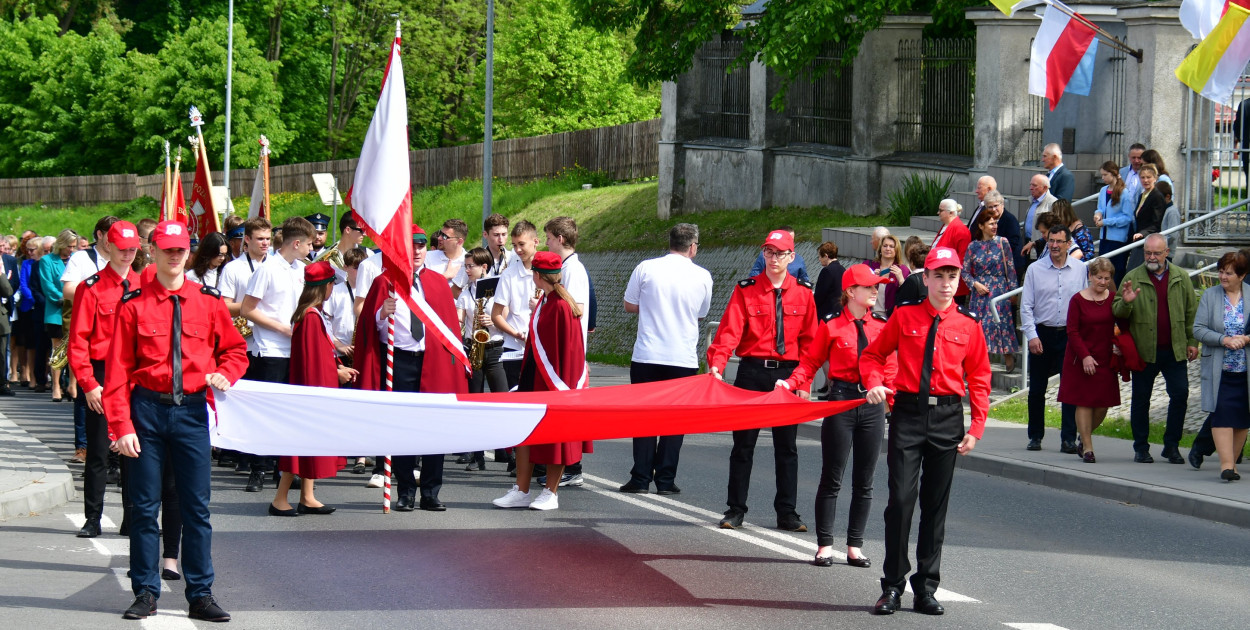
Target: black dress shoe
x=255, y=481
x=862, y=563
x=633, y=488
x=144, y=607
x=1175, y=458
x=1034, y=445
x=823, y=561
x=791, y=524
x=1143, y=458
x=888, y=604
x=304, y=509
x=732, y=520
x=406, y=503
x=430, y=504
x=667, y=491
x=6, y=391
x=206, y=608
x=1069, y=448
x=464, y=459
x=927, y=605
x=124, y=529
x=90, y=529
x=170, y=575
x=273, y=511
x=1195, y=459
x=1228, y=474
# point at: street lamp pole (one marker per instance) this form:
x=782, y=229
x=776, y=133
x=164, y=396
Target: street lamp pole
x=490, y=109
x=229, y=93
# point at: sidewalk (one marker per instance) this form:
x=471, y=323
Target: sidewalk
x=32, y=477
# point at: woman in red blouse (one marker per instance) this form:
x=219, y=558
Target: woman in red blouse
x=840, y=341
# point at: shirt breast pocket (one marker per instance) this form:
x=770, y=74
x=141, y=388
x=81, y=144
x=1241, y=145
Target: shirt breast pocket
x=153, y=337
x=758, y=310
x=958, y=337
x=107, y=309
x=842, y=343
x=197, y=330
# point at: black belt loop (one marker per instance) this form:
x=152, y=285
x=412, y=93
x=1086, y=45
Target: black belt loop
x=848, y=386
x=911, y=398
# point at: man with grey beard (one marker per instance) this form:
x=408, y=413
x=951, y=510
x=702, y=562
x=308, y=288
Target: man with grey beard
x=1159, y=301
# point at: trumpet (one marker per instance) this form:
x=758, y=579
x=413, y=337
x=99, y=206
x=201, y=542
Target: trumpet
x=480, y=336
x=334, y=257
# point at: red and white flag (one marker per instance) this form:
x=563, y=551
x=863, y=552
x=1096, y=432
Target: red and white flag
x=381, y=197
x=202, y=218
x=1059, y=48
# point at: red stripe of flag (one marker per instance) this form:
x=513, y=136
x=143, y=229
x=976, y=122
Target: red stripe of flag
x=1063, y=59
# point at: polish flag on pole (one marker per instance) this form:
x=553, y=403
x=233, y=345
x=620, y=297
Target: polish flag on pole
x=1063, y=48
x=381, y=197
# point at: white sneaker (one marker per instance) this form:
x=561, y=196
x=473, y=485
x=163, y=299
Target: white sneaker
x=545, y=501
x=571, y=480
x=376, y=481
x=514, y=499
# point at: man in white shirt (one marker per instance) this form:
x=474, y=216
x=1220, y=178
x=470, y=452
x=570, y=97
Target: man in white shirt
x=88, y=262
x=670, y=295
x=236, y=274
x=270, y=301
x=515, y=300
x=350, y=237
x=495, y=235
x=368, y=271
x=448, y=259
x=561, y=233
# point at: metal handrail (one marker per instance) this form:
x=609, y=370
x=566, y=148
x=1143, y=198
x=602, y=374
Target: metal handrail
x=1131, y=246
x=1082, y=200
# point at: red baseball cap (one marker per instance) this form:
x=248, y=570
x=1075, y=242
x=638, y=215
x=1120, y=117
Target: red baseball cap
x=124, y=235
x=780, y=239
x=942, y=257
x=171, y=235
x=861, y=275
x=547, y=262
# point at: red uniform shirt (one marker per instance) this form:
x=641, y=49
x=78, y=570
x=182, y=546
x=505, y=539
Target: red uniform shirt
x=140, y=353
x=957, y=237
x=960, y=352
x=91, y=327
x=837, y=341
x=749, y=324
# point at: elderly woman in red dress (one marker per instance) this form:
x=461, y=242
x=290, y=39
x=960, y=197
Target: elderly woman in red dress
x=1088, y=380
x=313, y=363
x=555, y=359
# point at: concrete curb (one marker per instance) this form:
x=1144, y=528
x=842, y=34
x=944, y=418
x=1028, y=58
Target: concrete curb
x=1137, y=493
x=33, y=477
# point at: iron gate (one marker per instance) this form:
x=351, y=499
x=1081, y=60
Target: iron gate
x=1217, y=167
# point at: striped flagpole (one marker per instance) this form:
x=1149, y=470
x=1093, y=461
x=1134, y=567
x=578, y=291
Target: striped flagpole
x=390, y=384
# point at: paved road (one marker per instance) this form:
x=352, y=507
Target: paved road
x=1015, y=554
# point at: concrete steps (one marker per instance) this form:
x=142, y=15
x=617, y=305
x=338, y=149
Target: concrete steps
x=856, y=242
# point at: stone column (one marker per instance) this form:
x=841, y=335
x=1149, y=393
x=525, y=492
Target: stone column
x=1154, y=99
x=876, y=87
x=678, y=123
x=767, y=130
x=1002, y=87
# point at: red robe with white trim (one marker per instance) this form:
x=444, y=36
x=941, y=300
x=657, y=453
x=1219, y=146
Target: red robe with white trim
x=555, y=359
x=313, y=363
x=440, y=373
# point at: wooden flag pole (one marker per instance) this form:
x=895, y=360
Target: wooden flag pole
x=1110, y=39
x=197, y=121
x=167, y=194
x=264, y=169
x=176, y=181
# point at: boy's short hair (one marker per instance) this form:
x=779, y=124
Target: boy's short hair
x=297, y=229
x=565, y=228
x=479, y=256
x=255, y=224
x=494, y=220
x=355, y=256
x=522, y=228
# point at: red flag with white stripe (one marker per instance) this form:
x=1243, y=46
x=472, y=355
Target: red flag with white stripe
x=381, y=197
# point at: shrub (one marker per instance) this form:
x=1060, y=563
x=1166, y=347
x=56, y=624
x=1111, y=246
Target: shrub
x=919, y=195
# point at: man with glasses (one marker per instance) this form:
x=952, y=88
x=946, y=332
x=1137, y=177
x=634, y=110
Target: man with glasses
x=1158, y=300
x=448, y=256
x=350, y=237
x=769, y=322
x=1049, y=285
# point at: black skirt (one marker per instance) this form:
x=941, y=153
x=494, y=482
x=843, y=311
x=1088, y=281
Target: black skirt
x=1232, y=403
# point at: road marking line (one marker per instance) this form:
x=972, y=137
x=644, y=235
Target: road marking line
x=648, y=501
x=1034, y=626
x=79, y=520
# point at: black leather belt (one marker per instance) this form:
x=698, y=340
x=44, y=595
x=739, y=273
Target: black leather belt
x=933, y=401
x=847, y=386
x=408, y=353
x=769, y=363
x=198, y=398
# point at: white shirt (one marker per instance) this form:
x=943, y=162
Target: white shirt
x=468, y=303
x=576, y=281
x=516, y=288
x=341, y=310
x=366, y=272
x=211, y=278
x=672, y=294
x=277, y=284
x=403, y=330
x=235, y=276
x=437, y=260
x=79, y=267
x=498, y=265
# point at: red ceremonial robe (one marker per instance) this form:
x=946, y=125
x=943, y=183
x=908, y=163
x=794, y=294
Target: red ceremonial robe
x=440, y=373
x=555, y=359
x=313, y=363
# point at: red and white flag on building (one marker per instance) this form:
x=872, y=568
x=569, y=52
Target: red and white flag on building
x=381, y=197
x=1063, y=51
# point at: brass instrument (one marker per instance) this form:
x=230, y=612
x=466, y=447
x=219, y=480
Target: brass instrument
x=480, y=336
x=241, y=325
x=334, y=257
x=60, y=356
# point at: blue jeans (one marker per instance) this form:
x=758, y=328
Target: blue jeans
x=1176, y=379
x=179, y=435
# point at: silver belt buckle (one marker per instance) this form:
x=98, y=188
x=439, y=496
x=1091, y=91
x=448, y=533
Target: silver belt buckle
x=771, y=363
x=933, y=401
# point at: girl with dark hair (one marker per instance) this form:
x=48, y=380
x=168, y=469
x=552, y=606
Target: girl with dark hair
x=209, y=259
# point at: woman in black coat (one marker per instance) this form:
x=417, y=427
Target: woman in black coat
x=1150, y=209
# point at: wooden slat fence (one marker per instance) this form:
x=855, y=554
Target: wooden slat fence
x=628, y=151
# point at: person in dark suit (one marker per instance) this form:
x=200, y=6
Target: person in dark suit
x=828, y=282
x=1149, y=214
x=1241, y=134
x=1008, y=228
x=1062, y=183
x=8, y=280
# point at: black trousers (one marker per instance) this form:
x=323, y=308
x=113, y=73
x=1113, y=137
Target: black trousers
x=921, y=458
x=656, y=457
x=512, y=371
x=268, y=370
x=860, y=431
x=755, y=377
x=1176, y=382
x=95, y=470
x=408, y=379
x=1041, y=368
x=492, y=375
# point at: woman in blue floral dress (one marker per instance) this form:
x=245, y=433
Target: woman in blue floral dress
x=989, y=272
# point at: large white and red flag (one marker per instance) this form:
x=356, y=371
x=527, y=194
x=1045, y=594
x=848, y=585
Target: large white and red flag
x=381, y=197
x=202, y=218
x=1062, y=57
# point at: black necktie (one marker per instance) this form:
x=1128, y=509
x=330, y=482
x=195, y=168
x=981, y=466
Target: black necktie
x=175, y=351
x=862, y=341
x=414, y=323
x=926, y=369
x=125, y=287
x=780, y=332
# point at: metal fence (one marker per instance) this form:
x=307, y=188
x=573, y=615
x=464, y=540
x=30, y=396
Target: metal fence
x=1116, y=105
x=1216, y=172
x=936, y=85
x=819, y=107
x=724, y=103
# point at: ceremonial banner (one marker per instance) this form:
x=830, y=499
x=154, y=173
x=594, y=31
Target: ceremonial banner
x=1063, y=52
x=259, y=207
x=347, y=422
x=203, y=215
x=1215, y=66
x=381, y=197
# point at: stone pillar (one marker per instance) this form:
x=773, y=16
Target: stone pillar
x=767, y=130
x=1002, y=87
x=1154, y=99
x=678, y=123
x=876, y=86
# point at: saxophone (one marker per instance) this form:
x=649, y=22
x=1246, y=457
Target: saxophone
x=480, y=336
x=241, y=325
x=60, y=355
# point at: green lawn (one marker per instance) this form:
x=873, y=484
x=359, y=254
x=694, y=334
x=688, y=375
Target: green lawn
x=1016, y=410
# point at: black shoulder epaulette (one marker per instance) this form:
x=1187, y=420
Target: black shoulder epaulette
x=806, y=283
x=880, y=316
x=92, y=280
x=908, y=303
x=749, y=282
x=828, y=317
x=963, y=309
x=130, y=295
x=211, y=291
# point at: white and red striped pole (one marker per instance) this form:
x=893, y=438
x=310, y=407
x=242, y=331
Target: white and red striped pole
x=390, y=385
